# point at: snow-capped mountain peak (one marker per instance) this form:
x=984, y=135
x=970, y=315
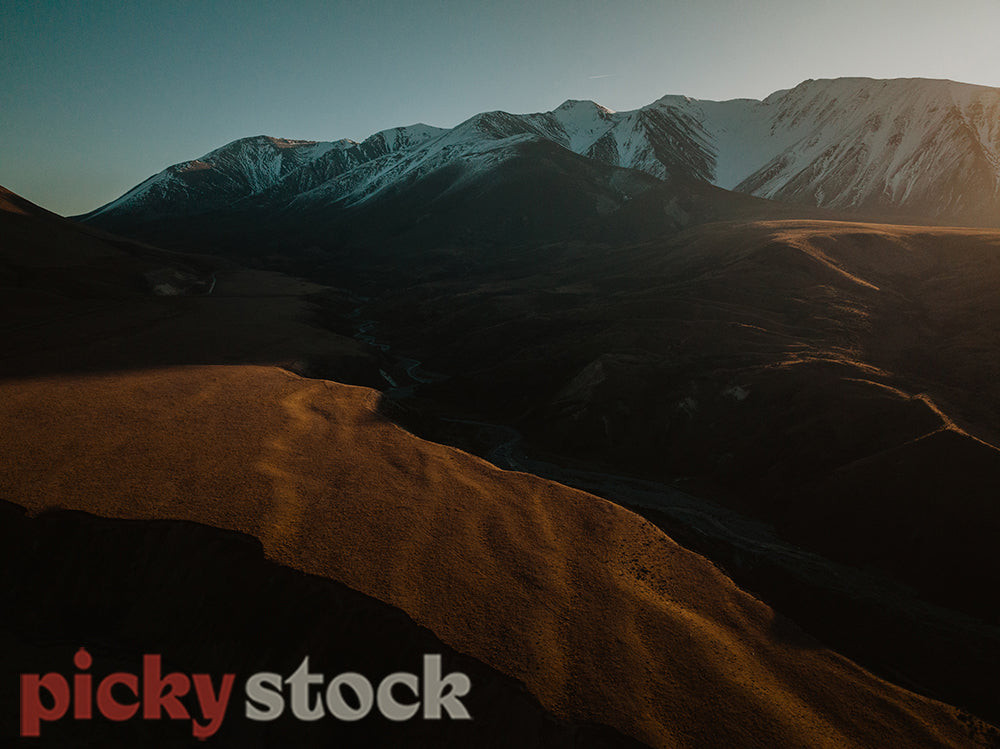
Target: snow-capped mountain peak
x=925, y=147
x=237, y=170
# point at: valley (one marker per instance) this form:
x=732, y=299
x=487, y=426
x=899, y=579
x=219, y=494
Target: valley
x=863, y=612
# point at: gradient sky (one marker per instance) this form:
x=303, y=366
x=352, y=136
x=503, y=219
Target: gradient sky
x=96, y=96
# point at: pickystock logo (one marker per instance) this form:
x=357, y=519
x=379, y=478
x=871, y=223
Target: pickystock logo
x=153, y=695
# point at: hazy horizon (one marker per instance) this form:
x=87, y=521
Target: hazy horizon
x=102, y=97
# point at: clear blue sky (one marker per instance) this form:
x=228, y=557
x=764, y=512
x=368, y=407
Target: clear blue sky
x=95, y=96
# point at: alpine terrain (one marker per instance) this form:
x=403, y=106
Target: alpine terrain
x=923, y=149
x=672, y=427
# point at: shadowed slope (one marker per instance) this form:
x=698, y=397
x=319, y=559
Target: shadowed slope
x=756, y=362
x=73, y=298
x=603, y=617
x=208, y=602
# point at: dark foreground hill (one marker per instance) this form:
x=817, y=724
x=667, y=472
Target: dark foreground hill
x=210, y=602
x=602, y=617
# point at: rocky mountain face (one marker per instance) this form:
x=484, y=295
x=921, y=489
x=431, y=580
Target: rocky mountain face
x=909, y=149
x=925, y=148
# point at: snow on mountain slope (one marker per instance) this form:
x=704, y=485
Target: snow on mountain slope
x=663, y=142
x=478, y=144
x=334, y=164
x=471, y=148
x=573, y=124
x=738, y=132
x=236, y=170
x=926, y=148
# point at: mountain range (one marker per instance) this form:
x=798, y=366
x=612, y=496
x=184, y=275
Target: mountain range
x=613, y=284
x=915, y=149
x=662, y=419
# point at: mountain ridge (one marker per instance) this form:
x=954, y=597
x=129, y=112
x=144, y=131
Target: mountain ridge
x=925, y=147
